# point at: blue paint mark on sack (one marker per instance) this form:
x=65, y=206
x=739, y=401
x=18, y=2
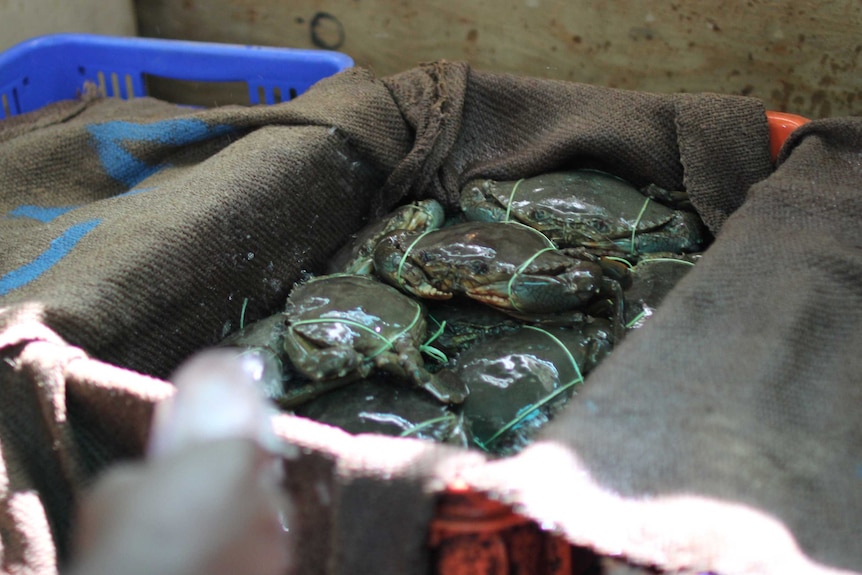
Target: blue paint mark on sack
x=124, y=167
x=59, y=247
x=43, y=214
x=46, y=214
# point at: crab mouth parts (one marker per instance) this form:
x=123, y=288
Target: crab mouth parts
x=431, y=292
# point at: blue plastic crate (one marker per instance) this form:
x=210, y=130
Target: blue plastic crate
x=55, y=67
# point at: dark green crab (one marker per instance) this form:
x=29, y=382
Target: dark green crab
x=356, y=256
x=342, y=327
x=519, y=380
x=652, y=279
x=586, y=208
x=377, y=405
x=265, y=340
x=459, y=324
x=506, y=265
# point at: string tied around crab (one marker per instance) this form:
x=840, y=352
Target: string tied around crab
x=532, y=408
x=387, y=342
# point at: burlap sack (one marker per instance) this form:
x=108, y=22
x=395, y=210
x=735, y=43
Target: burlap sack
x=722, y=437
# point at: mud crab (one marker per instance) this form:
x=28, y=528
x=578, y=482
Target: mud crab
x=458, y=325
x=342, y=327
x=263, y=338
x=652, y=279
x=377, y=405
x=517, y=381
x=586, y=208
x=503, y=264
x=356, y=256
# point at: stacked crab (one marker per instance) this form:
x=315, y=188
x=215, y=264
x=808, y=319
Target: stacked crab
x=513, y=301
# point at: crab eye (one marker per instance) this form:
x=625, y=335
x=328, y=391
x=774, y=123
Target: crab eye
x=478, y=267
x=539, y=215
x=601, y=226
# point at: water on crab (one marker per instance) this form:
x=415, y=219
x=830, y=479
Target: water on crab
x=337, y=332
x=519, y=381
x=508, y=376
x=504, y=386
x=383, y=406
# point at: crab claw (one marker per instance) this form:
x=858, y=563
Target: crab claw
x=426, y=214
x=616, y=271
x=492, y=295
x=392, y=264
x=543, y=294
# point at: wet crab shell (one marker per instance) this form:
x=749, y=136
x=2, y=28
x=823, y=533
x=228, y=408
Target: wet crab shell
x=586, y=208
x=506, y=265
x=456, y=325
x=342, y=327
x=526, y=374
x=381, y=406
x=355, y=257
x=652, y=280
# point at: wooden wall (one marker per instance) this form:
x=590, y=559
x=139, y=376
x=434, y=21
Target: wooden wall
x=800, y=56
x=21, y=20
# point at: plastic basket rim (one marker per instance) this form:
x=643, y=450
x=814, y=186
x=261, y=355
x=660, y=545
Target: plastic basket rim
x=60, y=39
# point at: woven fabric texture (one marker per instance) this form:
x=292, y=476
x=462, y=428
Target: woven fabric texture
x=722, y=437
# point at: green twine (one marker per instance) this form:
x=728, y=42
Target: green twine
x=624, y=261
x=633, y=249
x=535, y=231
x=635, y=319
x=242, y=313
x=426, y=424
x=642, y=314
x=550, y=247
x=562, y=346
x=433, y=351
x=404, y=257
x=544, y=401
x=674, y=260
x=520, y=270
x=511, y=197
x=522, y=416
x=387, y=343
x=478, y=443
x=335, y=275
